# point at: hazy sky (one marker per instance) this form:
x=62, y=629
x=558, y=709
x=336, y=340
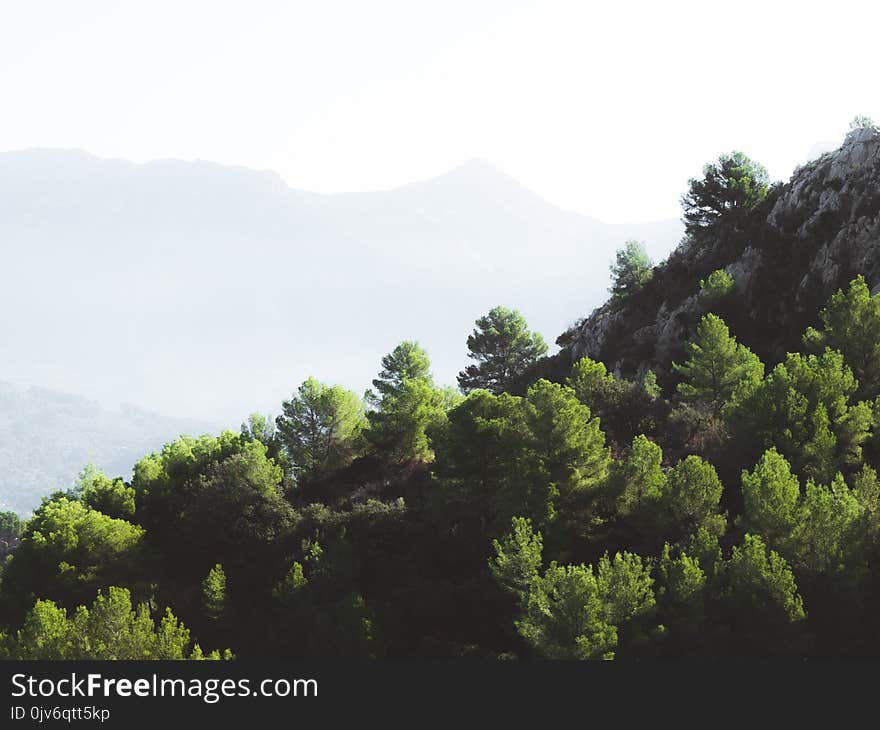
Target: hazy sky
x=606, y=108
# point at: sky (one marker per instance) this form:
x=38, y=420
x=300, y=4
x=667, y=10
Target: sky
x=602, y=108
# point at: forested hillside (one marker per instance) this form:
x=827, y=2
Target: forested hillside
x=694, y=475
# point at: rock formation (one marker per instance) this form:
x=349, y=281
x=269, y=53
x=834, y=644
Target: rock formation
x=810, y=237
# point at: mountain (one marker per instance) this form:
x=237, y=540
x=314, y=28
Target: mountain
x=47, y=437
x=808, y=238
x=213, y=291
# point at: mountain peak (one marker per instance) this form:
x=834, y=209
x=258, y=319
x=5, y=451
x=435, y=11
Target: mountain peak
x=479, y=170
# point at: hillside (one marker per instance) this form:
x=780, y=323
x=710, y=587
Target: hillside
x=726, y=506
x=808, y=238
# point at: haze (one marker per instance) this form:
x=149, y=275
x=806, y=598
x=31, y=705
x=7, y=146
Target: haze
x=602, y=108
x=211, y=290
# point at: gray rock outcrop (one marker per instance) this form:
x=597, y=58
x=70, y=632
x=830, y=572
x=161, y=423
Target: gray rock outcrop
x=811, y=237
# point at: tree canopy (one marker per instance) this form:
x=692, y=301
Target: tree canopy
x=321, y=429
x=631, y=269
x=504, y=349
x=575, y=518
x=406, y=404
x=851, y=325
x=717, y=367
x=110, y=629
x=729, y=185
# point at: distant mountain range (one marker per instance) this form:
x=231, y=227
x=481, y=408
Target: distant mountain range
x=210, y=291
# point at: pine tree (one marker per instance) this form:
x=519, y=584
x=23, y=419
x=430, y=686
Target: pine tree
x=564, y=617
x=631, y=270
x=692, y=493
x=214, y=593
x=641, y=476
x=770, y=495
x=763, y=608
x=729, y=187
x=406, y=405
x=504, y=349
x=321, y=428
x=851, y=324
x=717, y=367
x=517, y=559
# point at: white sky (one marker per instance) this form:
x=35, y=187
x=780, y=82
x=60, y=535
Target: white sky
x=606, y=108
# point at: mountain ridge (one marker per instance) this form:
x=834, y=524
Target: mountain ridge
x=142, y=276
x=473, y=173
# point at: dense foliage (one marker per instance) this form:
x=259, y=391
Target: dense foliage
x=632, y=267
x=503, y=348
x=729, y=186
x=731, y=509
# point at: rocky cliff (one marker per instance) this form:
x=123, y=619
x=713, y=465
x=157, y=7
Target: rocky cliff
x=808, y=238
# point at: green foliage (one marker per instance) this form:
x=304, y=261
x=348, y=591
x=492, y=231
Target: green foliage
x=729, y=186
x=717, y=285
x=321, y=615
x=110, y=630
x=705, y=544
x=68, y=551
x=761, y=600
x=564, y=617
x=46, y=634
x=517, y=558
x=650, y=385
x=321, y=429
x=820, y=531
x=851, y=325
x=289, y=587
x=626, y=408
x=408, y=361
x=400, y=550
x=590, y=381
x=641, y=477
x=866, y=488
x=113, y=498
x=11, y=528
x=631, y=270
x=681, y=599
x=510, y=454
x=718, y=368
x=214, y=593
x=625, y=585
x=567, y=442
x=503, y=348
x=803, y=408
x=259, y=428
x=213, y=499
x=483, y=456
x=770, y=495
x=823, y=537
x=692, y=494
x=407, y=404
x=862, y=122
x=576, y=612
